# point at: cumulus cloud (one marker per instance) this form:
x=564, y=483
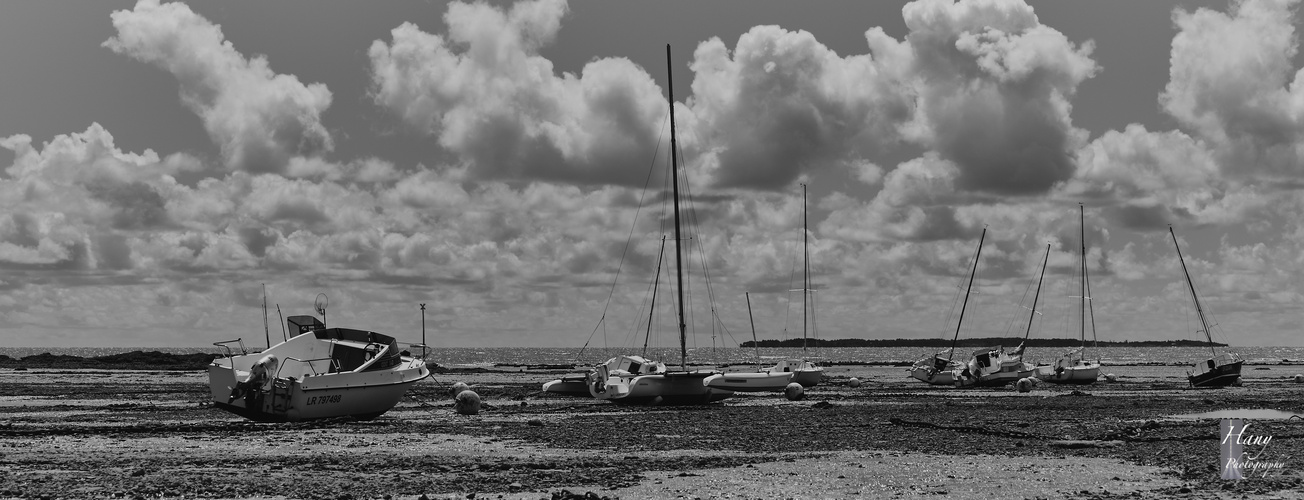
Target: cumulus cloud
x=782, y=103
x=488, y=96
x=259, y=118
x=996, y=92
x=1230, y=83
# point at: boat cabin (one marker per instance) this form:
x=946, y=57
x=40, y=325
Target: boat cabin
x=300, y=325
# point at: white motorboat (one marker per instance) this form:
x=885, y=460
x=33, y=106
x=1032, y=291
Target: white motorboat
x=319, y=373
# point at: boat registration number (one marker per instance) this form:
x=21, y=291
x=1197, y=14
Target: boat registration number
x=321, y=400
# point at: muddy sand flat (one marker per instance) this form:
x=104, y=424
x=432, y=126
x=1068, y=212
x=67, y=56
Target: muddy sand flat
x=68, y=433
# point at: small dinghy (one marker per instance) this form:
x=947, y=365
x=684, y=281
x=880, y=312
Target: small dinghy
x=319, y=373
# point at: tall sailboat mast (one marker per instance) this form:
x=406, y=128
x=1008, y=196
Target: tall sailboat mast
x=1037, y=295
x=674, y=179
x=966, y=294
x=266, y=332
x=1198, y=310
x=805, y=271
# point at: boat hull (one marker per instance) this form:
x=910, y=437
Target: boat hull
x=933, y=376
x=749, y=381
x=362, y=395
x=1072, y=375
x=571, y=385
x=803, y=372
x=1220, y=376
x=671, y=388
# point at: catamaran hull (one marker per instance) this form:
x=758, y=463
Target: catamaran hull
x=659, y=389
x=573, y=385
x=1220, y=376
x=749, y=381
x=933, y=377
x=363, y=395
x=1073, y=375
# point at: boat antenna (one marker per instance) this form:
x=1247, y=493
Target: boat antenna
x=1194, y=299
x=655, y=284
x=423, y=325
x=755, y=343
x=1033, y=314
x=266, y=332
x=320, y=305
x=284, y=335
x=966, y=293
x=674, y=175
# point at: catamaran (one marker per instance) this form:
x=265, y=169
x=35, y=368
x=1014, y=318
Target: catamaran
x=1220, y=370
x=1068, y=369
x=632, y=379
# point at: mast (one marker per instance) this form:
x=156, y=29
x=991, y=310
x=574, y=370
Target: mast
x=1194, y=299
x=1086, y=286
x=266, y=332
x=655, y=284
x=755, y=343
x=1033, y=314
x=674, y=179
x=805, y=269
x=966, y=294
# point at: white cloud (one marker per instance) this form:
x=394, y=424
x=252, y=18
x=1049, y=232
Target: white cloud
x=498, y=104
x=259, y=118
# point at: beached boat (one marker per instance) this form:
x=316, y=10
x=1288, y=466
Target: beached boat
x=1220, y=370
x=569, y=385
x=994, y=366
x=319, y=373
x=804, y=371
x=934, y=369
x=757, y=381
x=634, y=379
x=1073, y=367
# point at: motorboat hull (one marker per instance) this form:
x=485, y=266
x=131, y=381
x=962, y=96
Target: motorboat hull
x=362, y=395
x=750, y=381
x=935, y=370
x=803, y=372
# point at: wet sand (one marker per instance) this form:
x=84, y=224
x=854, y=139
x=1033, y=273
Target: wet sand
x=69, y=433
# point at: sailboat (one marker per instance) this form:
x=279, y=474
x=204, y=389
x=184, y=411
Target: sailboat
x=632, y=379
x=757, y=381
x=935, y=369
x=993, y=366
x=1066, y=369
x=803, y=371
x=1220, y=370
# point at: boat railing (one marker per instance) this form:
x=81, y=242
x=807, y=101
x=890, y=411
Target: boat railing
x=334, y=364
x=225, y=345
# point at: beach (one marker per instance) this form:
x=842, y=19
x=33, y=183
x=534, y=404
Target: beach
x=91, y=433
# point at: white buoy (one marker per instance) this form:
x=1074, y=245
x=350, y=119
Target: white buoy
x=1237, y=382
x=1024, y=384
x=854, y=382
x=459, y=387
x=1110, y=377
x=1299, y=379
x=467, y=403
x=794, y=391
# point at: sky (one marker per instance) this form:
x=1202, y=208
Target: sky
x=507, y=163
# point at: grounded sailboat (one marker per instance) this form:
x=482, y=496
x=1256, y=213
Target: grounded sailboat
x=993, y=366
x=803, y=371
x=757, y=381
x=934, y=369
x=637, y=380
x=1067, y=369
x=1220, y=370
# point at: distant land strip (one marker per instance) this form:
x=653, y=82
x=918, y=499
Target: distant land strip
x=973, y=342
